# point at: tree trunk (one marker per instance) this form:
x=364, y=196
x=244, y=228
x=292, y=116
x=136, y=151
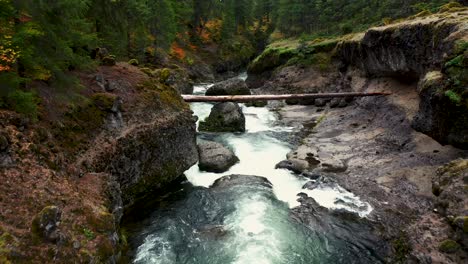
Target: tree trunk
x=250, y=98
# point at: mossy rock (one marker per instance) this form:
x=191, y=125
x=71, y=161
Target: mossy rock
x=163, y=74
x=449, y=246
x=147, y=71
x=102, y=222
x=108, y=60
x=462, y=223
x=271, y=58
x=7, y=243
x=134, y=62
x=224, y=117
x=104, y=101
x=45, y=223
x=105, y=249
x=4, y=142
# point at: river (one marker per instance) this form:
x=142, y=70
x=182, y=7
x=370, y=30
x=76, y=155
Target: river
x=248, y=223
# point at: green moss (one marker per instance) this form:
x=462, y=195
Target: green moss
x=271, y=58
x=133, y=62
x=102, y=222
x=105, y=249
x=80, y=124
x=108, y=60
x=402, y=248
x=45, y=215
x=422, y=14
x=164, y=74
x=455, y=98
x=217, y=124
x=6, y=241
x=461, y=46
x=104, y=101
x=89, y=234
x=450, y=7
x=449, y=246
x=462, y=222
x=151, y=183
x=147, y=71
x=457, y=61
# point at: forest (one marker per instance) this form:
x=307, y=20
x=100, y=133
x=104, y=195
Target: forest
x=45, y=40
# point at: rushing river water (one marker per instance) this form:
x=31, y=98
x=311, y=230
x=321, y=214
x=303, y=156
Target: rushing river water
x=247, y=223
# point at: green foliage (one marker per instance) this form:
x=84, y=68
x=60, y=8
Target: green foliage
x=454, y=97
x=457, y=61
x=402, y=248
x=23, y=103
x=89, y=234
x=295, y=17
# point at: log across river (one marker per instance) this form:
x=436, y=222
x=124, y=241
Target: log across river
x=250, y=98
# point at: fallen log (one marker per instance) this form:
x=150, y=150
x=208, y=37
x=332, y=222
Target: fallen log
x=270, y=97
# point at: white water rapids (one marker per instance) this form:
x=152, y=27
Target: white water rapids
x=256, y=222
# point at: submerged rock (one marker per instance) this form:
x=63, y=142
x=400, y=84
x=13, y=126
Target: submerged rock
x=233, y=86
x=236, y=179
x=214, y=157
x=224, y=117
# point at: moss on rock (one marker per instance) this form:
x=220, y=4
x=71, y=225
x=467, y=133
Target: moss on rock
x=133, y=62
x=449, y=246
x=104, y=101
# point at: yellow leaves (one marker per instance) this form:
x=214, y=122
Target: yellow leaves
x=41, y=73
x=8, y=56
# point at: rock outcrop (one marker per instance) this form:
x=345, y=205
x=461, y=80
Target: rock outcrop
x=122, y=144
x=224, y=117
x=432, y=50
x=214, y=157
x=234, y=86
x=449, y=186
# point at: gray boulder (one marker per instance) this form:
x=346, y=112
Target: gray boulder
x=214, y=157
x=233, y=86
x=294, y=165
x=224, y=117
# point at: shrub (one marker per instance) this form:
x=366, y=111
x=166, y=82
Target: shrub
x=23, y=103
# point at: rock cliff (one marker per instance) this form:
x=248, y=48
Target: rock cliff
x=70, y=175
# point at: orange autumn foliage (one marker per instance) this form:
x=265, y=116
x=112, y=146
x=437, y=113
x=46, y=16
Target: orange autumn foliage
x=177, y=51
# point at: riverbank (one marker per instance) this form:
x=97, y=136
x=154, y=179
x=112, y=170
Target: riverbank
x=390, y=151
x=386, y=163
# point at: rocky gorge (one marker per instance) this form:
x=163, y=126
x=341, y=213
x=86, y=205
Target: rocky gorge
x=403, y=155
x=389, y=150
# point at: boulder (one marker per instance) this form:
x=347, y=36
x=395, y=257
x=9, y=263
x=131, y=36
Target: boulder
x=320, y=102
x=214, y=157
x=233, y=86
x=294, y=165
x=224, y=117
x=108, y=60
x=335, y=102
x=45, y=224
x=4, y=142
x=230, y=181
x=176, y=78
